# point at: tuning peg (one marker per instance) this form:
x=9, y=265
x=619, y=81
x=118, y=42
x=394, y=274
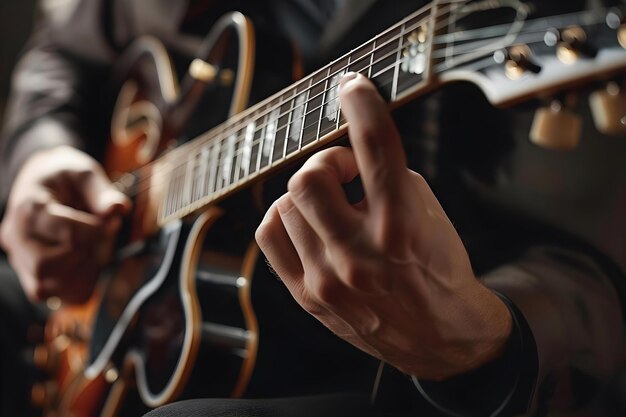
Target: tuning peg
x=573, y=44
x=518, y=61
x=615, y=20
x=608, y=107
x=555, y=127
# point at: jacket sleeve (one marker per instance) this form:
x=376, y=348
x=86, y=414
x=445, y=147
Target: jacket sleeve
x=56, y=86
x=567, y=351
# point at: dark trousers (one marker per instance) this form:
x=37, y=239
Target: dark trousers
x=21, y=327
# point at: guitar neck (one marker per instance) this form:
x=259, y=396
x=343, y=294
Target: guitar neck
x=413, y=56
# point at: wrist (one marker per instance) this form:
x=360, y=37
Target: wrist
x=472, y=330
x=496, y=325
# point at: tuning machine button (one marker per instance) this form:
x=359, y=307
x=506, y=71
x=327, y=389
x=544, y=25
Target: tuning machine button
x=556, y=127
x=608, y=108
x=518, y=61
x=573, y=45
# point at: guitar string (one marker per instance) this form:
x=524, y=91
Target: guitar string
x=229, y=183
x=524, y=37
x=217, y=192
x=315, y=123
x=235, y=128
x=368, y=54
x=222, y=128
x=232, y=125
x=260, y=127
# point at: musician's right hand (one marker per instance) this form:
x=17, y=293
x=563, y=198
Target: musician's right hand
x=61, y=213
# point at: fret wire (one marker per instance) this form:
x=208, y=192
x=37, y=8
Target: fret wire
x=261, y=143
x=204, y=156
x=270, y=159
x=219, y=170
x=239, y=156
x=212, y=168
x=228, y=159
x=371, y=63
x=338, y=119
x=236, y=157
x=168, y=203
x=195, y=179
x=248, y=147
x=232, y=157
x=289, y=115
x=177, y=190
x=188, y=184
x=396, y=69
x=319, y=121
x=259, y=149
x=214, y=177
x=304, y=109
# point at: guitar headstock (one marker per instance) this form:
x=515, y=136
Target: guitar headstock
x=515, y=55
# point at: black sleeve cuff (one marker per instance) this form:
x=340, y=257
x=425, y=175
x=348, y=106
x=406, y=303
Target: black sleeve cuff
x=503, y=387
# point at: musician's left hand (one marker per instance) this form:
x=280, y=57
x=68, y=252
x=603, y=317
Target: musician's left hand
x=390, y=273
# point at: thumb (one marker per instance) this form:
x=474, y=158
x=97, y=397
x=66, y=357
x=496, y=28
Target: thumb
x=103, y=199
x=111, y=202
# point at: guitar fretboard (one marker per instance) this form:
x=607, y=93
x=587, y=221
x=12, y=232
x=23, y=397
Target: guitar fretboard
x=298, y=119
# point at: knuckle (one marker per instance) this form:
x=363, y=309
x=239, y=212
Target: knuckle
x=262, y=235
x=355, y=90
x=306, y=180
x=419, y=180
x=40, y=268
x=30, y=207
x=327, y=291
x=28, y=212
x=311, y=307
x=353, y=274
x=370, y=135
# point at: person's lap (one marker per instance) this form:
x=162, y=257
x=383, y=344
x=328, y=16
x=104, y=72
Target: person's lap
x=331, y=405
x=20, y=323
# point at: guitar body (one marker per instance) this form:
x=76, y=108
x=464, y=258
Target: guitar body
x=172, y=316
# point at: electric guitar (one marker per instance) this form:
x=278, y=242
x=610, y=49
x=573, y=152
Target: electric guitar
x=179, y=285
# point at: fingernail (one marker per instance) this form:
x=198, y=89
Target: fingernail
x=347, y=77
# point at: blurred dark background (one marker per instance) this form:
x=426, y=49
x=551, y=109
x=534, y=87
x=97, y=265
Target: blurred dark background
x=16, y=21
